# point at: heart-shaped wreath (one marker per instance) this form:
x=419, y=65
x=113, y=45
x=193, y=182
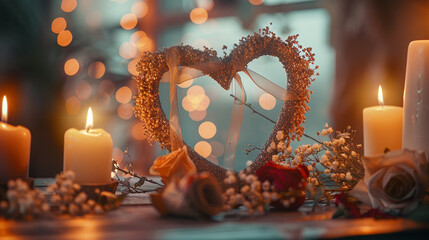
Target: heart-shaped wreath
x=296, y=61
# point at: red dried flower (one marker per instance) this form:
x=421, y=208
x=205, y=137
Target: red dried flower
x=285, y=179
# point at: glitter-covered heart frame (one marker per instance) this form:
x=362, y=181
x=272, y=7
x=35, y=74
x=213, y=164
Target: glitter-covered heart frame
x=296, y=61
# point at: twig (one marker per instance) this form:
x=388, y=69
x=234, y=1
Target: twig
x=135, y=175
x=116, y=166
x=272, y=121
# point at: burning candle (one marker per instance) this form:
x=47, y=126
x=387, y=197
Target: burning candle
x=88, y=153
x=14, y=149
x=382, y=127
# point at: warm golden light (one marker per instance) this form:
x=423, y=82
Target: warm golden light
x=256, y=2
x=4, y=110
x=89, y=120
x=68, y=5
x=125, y=111
x=380, y=96
x=123, y=94
x=207, y=130
x=132, y=67
x=217, y=148
x=189, y=81
x=64, y=38
x=127, y=50
x=196, y=90
x=96, y=70
x=197, y=115
x=72, y=105
x=140, y=9
x=83, y=90
x=129, y=21
x=203, y=148
x=267, y=101
x=198, y=15
x=58, y=24
x=71, y=67
x=138, y=131
x=106, y=88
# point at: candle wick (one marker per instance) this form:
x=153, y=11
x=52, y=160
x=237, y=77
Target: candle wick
x=87, y=129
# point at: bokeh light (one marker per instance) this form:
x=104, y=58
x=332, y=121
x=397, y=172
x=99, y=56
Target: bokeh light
x=138, y=131
x=129, y=21
x=71, y=67
x=83, y=90
x=137, y=35
x=196, y=91
x=256, y=2
x=68, y=5
x=203, y=148
x=267, y=101
x=195, y=99
x=198, y=15
x=212, y=158
x=64, y=38
x=127, y=50
x=72, y=105
x=96, y=70
x=207, y=130
x=189, y=81
x=217, y=148
x=123, y=94
x=206, y=4
x=144, y=44
x=117, y=154
x=140, y=9
x=58, y=24
x=125, y=111
x=202, y=105
x=197, y=115
x=132, y=67
x=106, y=87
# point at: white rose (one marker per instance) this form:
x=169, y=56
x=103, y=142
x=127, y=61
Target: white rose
x=395, y=181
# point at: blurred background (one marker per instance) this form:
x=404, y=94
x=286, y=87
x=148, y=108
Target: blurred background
x=57, y=58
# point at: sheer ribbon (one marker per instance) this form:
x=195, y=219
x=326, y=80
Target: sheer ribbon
x=175, y=76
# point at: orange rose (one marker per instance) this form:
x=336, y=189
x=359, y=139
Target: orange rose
x=175, y=164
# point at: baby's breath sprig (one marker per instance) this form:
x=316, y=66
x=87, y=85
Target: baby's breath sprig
x=333, y=159
x=253, y=196
x=67, y=197
x=22, y=202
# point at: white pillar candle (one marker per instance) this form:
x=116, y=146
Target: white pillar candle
x=14, y=149
x=416, y=98
x=382, y=128
x=88, y=153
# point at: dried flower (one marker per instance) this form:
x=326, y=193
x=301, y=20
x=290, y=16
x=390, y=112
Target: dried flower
x=175, y=164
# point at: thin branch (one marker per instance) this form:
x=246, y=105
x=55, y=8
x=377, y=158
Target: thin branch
x=272, y=121
x=135, y=175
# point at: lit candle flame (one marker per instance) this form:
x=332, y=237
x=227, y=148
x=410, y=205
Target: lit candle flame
x=89, y=120
x=4, y=110
x=380, y=96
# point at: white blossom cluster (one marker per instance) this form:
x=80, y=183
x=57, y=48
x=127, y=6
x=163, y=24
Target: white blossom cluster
x=249, y=197
x=253, y=196
x=23, y=202
x=66, y=197
x=332, y=157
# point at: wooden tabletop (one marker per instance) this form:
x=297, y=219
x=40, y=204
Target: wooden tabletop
x=136, y=219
